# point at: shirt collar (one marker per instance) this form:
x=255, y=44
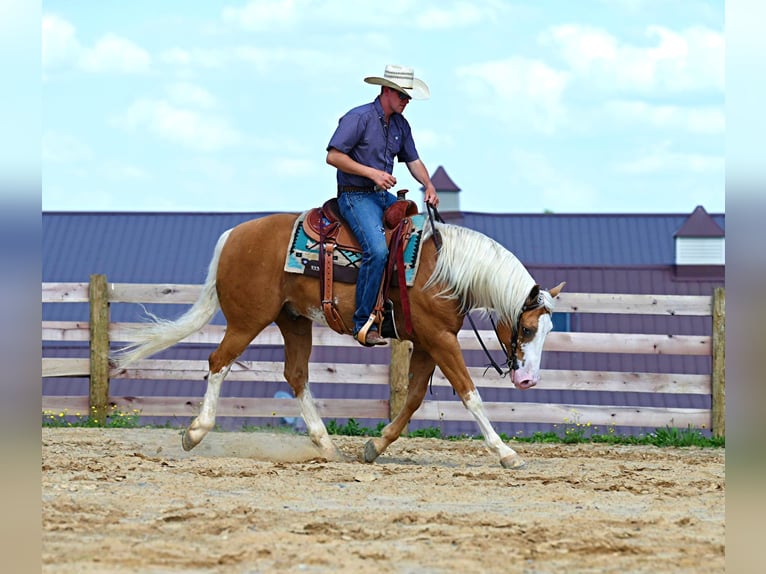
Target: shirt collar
x=378, y=107
x=379, y=110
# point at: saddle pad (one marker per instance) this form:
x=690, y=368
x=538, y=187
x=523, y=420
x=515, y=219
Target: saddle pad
x=303, y=255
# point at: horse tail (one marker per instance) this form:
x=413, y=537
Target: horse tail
x=159, y=334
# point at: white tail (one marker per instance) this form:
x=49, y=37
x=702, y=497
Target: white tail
x=160, y=334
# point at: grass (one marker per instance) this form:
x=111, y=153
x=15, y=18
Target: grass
x=668, y=436
x=570, y=433
x=114, y=419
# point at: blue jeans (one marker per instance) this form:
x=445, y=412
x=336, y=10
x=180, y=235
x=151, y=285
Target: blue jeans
x=363, y=211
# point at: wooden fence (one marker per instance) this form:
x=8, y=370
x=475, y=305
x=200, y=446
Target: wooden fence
x=100, y=332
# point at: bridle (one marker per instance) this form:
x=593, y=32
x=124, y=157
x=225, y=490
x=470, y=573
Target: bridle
x=511, y=355
x=512, y=361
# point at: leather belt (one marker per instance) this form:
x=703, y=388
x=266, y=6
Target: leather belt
x=345, y=188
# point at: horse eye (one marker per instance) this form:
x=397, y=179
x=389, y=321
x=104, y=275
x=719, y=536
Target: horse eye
x=526, y=332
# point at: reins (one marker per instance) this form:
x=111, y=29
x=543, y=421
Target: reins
x=432, y=212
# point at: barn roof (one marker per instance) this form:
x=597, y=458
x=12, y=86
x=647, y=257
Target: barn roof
x=143, y=247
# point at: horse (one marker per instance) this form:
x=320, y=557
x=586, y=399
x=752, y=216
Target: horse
x=468, y=271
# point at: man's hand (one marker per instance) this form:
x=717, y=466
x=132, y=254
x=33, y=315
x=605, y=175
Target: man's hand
x=382, y=179
x=346, y=164
x=431, y=198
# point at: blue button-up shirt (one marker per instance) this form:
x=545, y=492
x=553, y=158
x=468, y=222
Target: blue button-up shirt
x=363, y=135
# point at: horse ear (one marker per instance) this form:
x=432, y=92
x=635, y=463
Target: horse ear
x=532, y=298
x=557, y=289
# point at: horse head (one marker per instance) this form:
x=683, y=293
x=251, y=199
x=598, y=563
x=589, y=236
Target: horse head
x=523, y=342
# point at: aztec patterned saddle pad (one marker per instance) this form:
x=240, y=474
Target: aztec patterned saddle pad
x=303, y=254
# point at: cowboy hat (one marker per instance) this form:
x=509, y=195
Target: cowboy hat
x=402, y=79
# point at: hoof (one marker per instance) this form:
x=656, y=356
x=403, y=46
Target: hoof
x=513, y=461
x=370, y=452
x=187, y=442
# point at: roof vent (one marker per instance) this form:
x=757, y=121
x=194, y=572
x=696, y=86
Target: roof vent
x=700, y=241
x=449, y=198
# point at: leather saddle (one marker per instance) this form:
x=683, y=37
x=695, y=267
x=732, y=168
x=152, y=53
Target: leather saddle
x=329, y=215
x=326, y=226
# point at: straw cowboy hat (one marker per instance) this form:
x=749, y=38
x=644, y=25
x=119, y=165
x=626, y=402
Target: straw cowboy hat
x=402, y=79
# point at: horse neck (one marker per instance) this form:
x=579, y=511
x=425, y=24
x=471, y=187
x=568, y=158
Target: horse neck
x=480, y=273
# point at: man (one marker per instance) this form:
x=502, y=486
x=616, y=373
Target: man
x=363, y=148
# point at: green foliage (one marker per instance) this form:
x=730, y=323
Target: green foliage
x=430, y=432
x=575, y=433
x=351, y=428
x=277, y=429
x=114, y=419
x=665, y=437
x=686, y=437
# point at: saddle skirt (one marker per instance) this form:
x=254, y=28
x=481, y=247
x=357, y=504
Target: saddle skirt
x=329, y=214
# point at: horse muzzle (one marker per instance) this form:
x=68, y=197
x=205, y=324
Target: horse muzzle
x=523, y=380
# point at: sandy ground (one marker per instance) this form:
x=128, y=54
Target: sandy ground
x=130, y=500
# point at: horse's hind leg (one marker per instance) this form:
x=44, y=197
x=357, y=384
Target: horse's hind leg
x=421, y=368
x=296, y=332
x=231, y=347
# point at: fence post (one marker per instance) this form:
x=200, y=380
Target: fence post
x=719, y=360
x=99, y=348
x=398, y=377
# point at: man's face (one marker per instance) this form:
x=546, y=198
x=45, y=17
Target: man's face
x=397, y=100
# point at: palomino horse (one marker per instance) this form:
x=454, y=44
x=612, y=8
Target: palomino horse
x=247, y=281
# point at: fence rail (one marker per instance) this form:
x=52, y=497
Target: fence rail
x=99, y=332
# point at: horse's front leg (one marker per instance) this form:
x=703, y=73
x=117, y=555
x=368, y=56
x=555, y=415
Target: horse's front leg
x=450, y=360
x=421, y=368
x=509, y=458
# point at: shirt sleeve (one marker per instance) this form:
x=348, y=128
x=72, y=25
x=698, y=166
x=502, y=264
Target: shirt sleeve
x=408, y=152
x=348, y=133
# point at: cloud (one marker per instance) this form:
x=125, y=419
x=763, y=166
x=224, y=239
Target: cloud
x=203, y=58
x=110, y=54
x=519, y=91
x=262, y=14
x=59, y=41
x=707, y=120
x=115, y=55
x=446, y=16
x=177, y=56
x=661, y=159
x=186, y=93
x=211, y=168
x=538, y=177
x=118, y=171
x=187, y=127
x=689, y=60
x=602, y=78
x=429, y=139
x=266, y=59
x=267, y=15
x=294, y=167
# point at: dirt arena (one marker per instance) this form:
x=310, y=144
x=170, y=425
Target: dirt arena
x=130, y=500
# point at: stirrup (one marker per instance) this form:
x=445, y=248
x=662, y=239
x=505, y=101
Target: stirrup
x=388, y=324
x=361, y=335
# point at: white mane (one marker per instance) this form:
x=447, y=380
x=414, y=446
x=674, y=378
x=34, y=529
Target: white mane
x=480, y=273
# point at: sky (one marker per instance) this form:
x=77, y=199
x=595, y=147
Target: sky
x=595, y=106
